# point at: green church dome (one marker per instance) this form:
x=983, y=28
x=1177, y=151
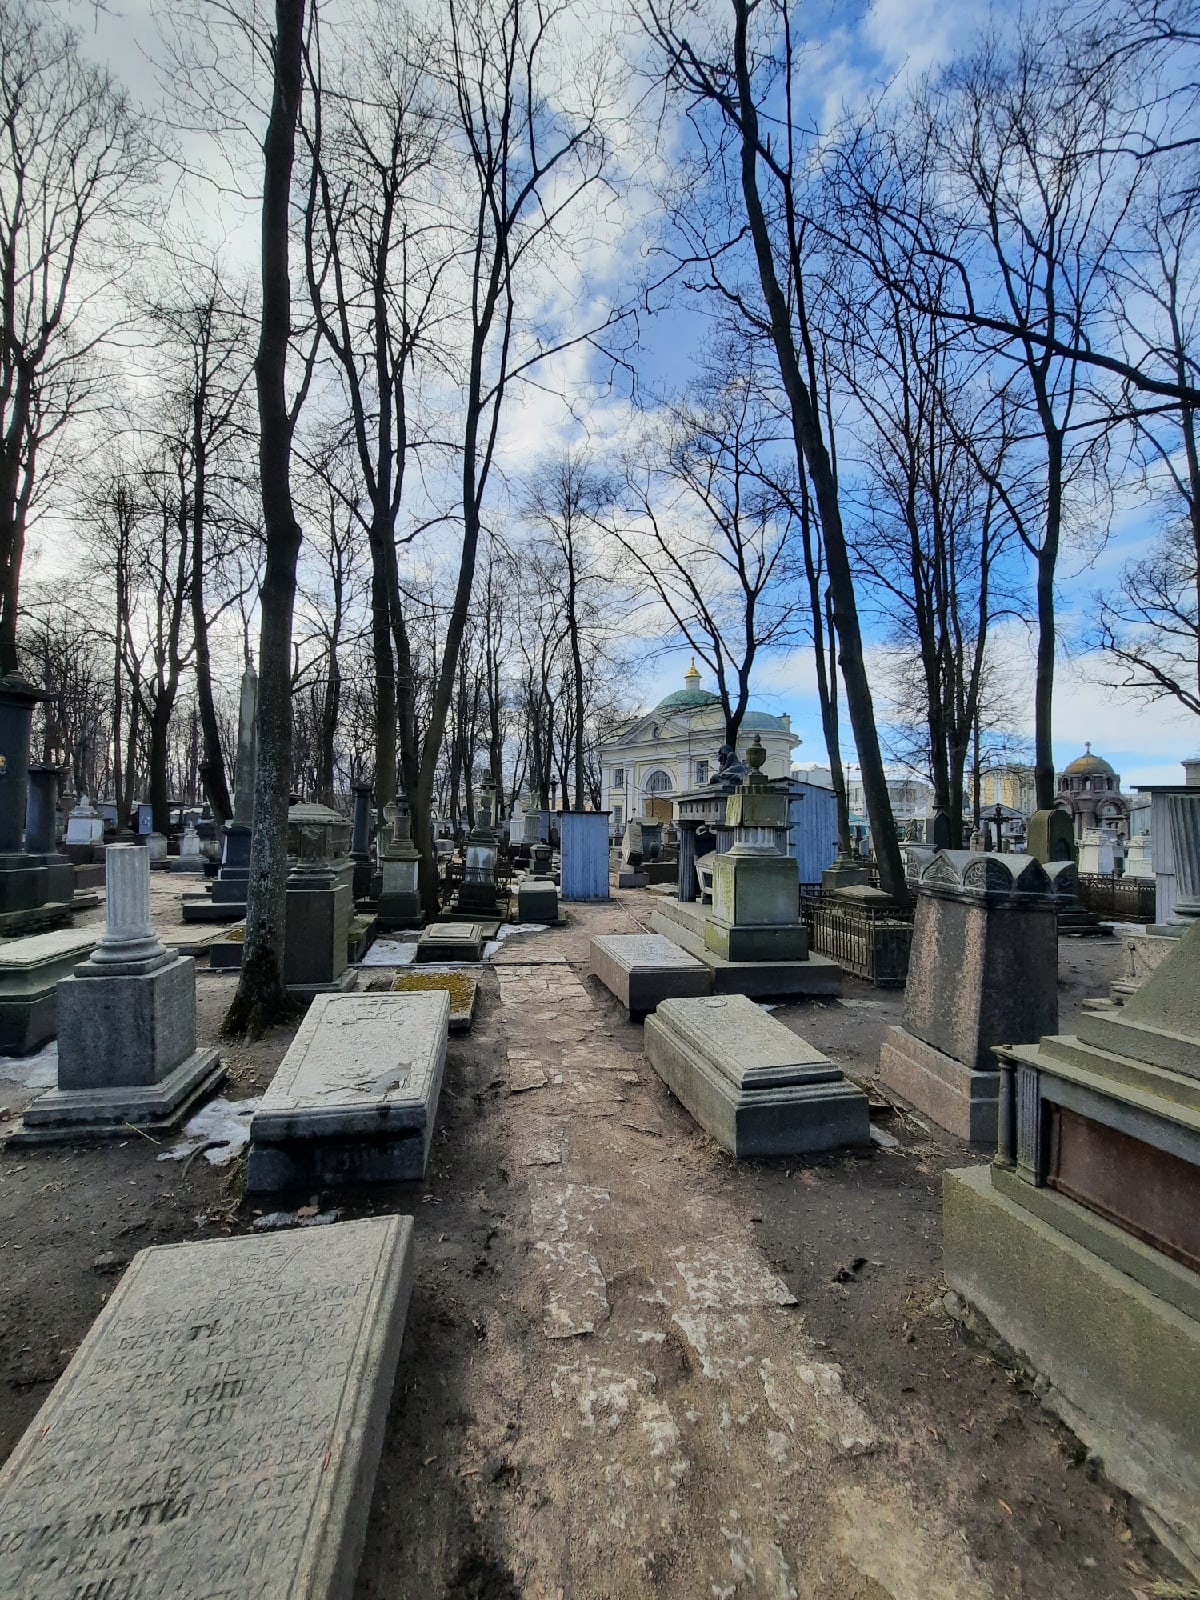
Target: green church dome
x=688, y=700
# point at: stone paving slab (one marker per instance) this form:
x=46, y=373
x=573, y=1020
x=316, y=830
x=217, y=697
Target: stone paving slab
x=356, y=1095
x=218, y=1431
x=754, y=1085
x=642, y=969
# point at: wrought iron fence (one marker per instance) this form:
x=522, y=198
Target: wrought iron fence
x=871, y=944
x=1129, y=899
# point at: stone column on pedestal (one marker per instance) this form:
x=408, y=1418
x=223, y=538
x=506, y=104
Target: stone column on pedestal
x=229, y=887
x=319, y=902
x=756, y=886
x=1183, y=819
x=399, y=898
x=127, y=1051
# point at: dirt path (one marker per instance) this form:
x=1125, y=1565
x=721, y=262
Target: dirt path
x=644, y=1376
x=631, y=1366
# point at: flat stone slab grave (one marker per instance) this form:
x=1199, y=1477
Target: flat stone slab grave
x=451, y=941
x=30, y=968
x=219, y=1430
x=356, y=1095
x=757, y=1087
x=643, y=969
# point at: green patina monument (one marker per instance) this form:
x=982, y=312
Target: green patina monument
x=1081, y=1242
x=756, y=887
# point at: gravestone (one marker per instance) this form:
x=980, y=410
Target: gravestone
x=219, y=1430
x=1081, y=1242
x=356, y=1095
x=400, y=861
x=127, y=1052
x=319, y=902
x=225, y=900
x=537, y=900
x=642, y=969
x=451, y=941
x=756, y=887
x=1051, y=836
x=754, y=1085
x=983, y=971
x=30, y=972
x=36, y=886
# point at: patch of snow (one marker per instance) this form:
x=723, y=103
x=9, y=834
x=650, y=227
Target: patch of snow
x=38, y=1071
x=510, y=930
x=276, y=1220
x=390, y=953
x=225, y=1120
x=884, y=1139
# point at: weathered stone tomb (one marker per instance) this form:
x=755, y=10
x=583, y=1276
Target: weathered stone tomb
x=219, y=1429
x=356, y=1095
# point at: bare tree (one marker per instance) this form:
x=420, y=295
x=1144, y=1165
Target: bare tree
x=372, y=238
x=709, y=531
x=73, y=168
x=741, y=88
x=530, y=113
x=261, y=997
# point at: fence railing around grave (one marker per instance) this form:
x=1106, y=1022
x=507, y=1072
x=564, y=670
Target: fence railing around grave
x=1128, y=899
x=873, y=945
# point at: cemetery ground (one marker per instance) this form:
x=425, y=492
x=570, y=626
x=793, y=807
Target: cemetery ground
x=632, y=1366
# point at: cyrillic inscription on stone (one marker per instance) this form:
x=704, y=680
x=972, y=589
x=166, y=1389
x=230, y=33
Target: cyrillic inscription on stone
x=217, y=1433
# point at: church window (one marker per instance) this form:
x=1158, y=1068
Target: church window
x=618, y=778
x=702, y=772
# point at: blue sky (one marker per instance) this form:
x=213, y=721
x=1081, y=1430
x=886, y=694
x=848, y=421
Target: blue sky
x=855, y=49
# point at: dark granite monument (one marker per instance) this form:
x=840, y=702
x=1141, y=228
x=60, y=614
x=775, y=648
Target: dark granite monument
x=983, y=971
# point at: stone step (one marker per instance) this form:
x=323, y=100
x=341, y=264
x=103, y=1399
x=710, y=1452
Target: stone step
x=219, y=1430
x=754, y=1085
x=815, y=975
x=356, y=1095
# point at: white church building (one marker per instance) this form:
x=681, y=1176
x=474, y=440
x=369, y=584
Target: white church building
x=675, y=747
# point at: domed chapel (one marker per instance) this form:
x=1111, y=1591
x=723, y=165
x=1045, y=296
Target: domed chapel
x=1090, y=790
x=675, y=747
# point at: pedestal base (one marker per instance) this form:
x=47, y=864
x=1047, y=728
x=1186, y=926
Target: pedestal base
x=757, y=943
x=957, y=1098
x=684, y=924
x=1121, y=1359
x=401, y=910
x=126, y=1030
x=451, y=941
x=70, y=1114
x=202, y=908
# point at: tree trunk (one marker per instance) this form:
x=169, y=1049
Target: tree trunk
x=1043, y=699
x=212, y=763
x=812, y=455
x=385, y=668
x=160, y=787
x=261, y=998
